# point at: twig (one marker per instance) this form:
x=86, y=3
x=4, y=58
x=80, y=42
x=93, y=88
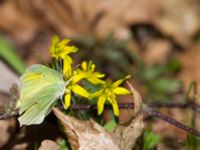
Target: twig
x=146, y=109
x=7, y=116
x=173, y=122
x=193, y=106
x=88, y=106
x=170, y=120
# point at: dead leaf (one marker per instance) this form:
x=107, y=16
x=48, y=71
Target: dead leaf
x=6, y=129
x=157, y=51
x=49, y=145
x=190, y=68
x=85, y=135
x=86, y=17
x=127, y=135
x=99, y=18
x=136, y=99
x=182, y=23
x=20, y=146
x=80, y=133
x=119, y=15
x=24, y=30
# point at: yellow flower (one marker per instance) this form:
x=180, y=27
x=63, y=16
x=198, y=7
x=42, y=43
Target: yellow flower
x=88, y=72
x=60, y=49
x=72, y=86
x=67, y=69
x=109, y=92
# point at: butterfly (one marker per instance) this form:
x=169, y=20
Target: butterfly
x=41, y=87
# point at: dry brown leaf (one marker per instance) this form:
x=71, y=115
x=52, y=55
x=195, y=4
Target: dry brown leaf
x=6, y=129
x=89, y=135
x=85, y=135
x=49, y=145
x=157, y=51
x=190, y=61
x=85, y=17
x=20, y=146
x=137, y=101
x=127, y=135
x=80, y=133
x=120, y=14
x=21, y=26
x=91, y=17
x=182, y=23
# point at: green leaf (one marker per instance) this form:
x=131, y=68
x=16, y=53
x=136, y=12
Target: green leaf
x=166, y=85
x=153, y=72
x=41, y=87
x=63, y=145
x=150, y=140
x=8, y=54
x=110, y=126
x=174, y=65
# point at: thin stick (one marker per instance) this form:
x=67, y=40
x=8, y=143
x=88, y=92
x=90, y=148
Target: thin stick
x=4, y=116
x=88, y=106
x=191, y=105
x=146, y=109
x=8, y=116
x=174, y=122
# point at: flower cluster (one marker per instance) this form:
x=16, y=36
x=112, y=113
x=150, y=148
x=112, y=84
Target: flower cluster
x=60, y=50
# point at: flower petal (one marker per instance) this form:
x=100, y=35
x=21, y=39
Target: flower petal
x=100, y=104
x=67, y=100
x=121, y=91
x=96, y=94
x=118, y=82
x=63, y=43
x=79, y=76
x=67, y=69
x=92, y=67
x=55, y=40
x=84, y=65
x=70, y=49
x=79, y=90
x=98, y=74
x=114, y=106
x=95, y=80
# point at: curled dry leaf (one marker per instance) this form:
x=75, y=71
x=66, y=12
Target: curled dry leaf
x=89, y=135
x=127, y=133
x=85, y=135
x=21, y=26
x=7, y=128
x=137, y=100
x=157, y=51
x=182, y=23
x=49, y=145
x=86, y=17
x=190, y=69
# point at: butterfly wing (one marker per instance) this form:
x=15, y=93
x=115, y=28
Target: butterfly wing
x=41, y=87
